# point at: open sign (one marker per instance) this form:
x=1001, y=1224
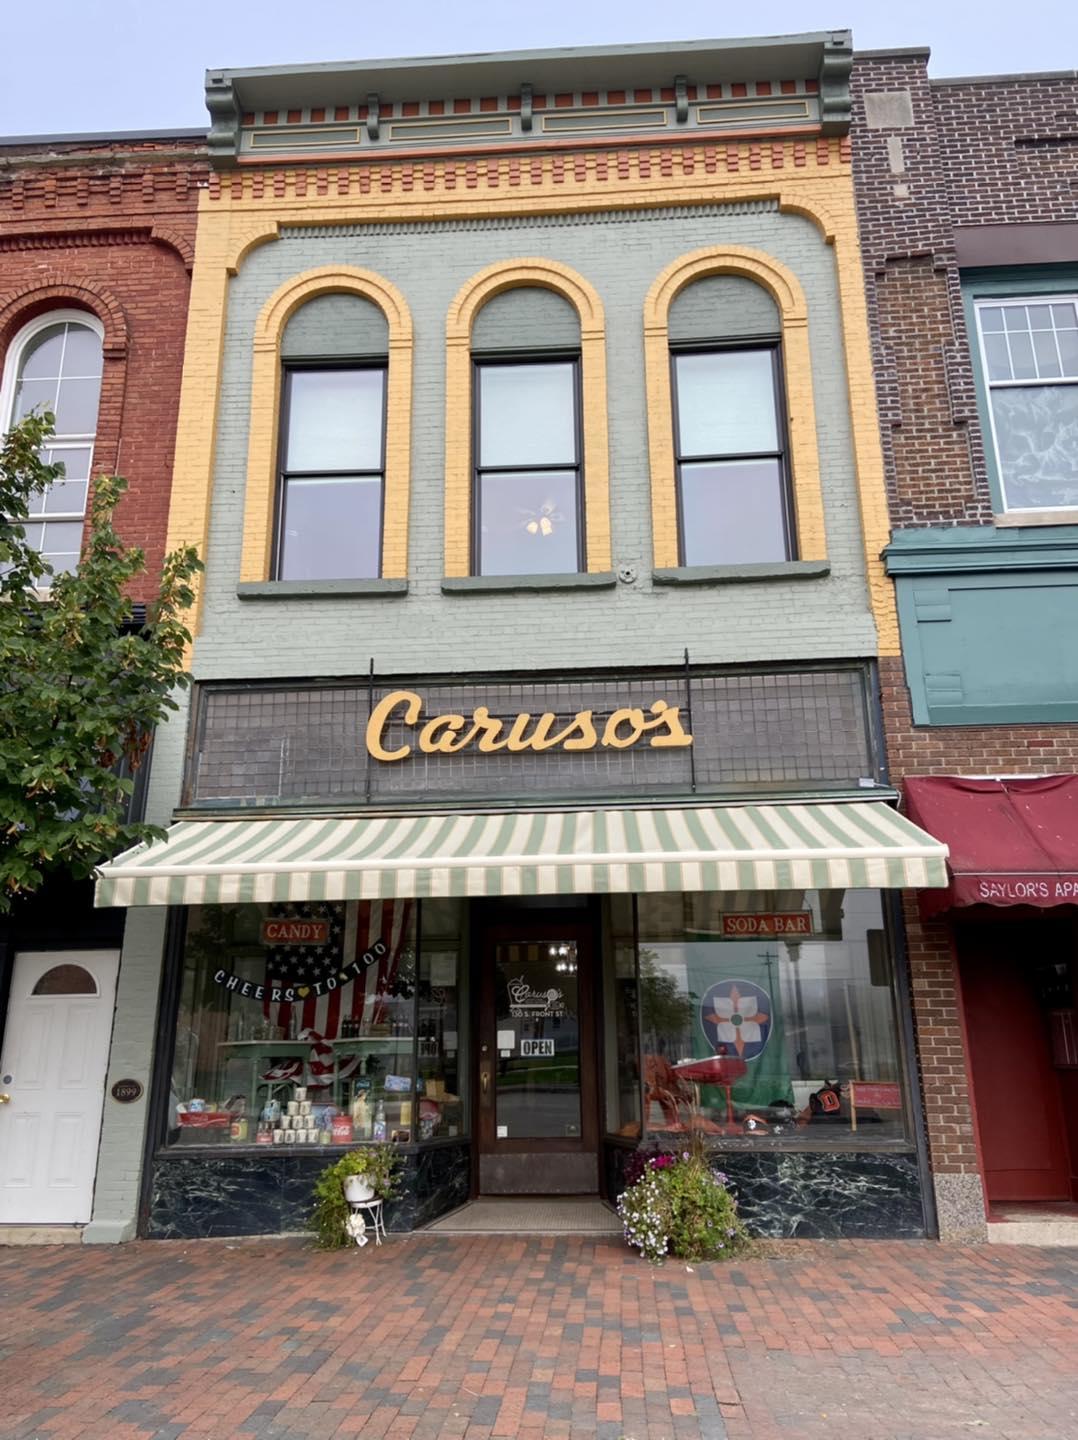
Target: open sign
x=531, y=1048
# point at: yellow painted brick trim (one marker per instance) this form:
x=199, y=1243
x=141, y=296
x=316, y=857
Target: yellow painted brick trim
x=241, y=211
x=510, y=275
x=261, y=493
x=784, y=287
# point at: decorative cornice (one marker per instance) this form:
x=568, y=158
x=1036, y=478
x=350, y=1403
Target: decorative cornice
x=836, y=64
x=945, y=550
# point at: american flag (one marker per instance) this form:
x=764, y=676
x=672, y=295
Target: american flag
x=353, y=928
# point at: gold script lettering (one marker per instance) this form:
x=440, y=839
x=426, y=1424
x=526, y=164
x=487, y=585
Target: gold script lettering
x=413, y=707
x=451, y=733
x=670, y=717
x=445, y=744
x=629, y=716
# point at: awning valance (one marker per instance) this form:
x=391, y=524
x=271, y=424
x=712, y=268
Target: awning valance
x=731, y=847
x=1011, y=842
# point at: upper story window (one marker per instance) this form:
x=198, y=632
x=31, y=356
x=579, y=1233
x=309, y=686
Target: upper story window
x=730, y=448
x=54, y=363
x=332, y=445
x=527, y=506
x=1029, y=348
x=528, y=510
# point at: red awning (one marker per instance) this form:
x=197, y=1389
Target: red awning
x=1012, y=842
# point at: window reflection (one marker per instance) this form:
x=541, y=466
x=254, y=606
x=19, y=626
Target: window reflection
x=769, y=1018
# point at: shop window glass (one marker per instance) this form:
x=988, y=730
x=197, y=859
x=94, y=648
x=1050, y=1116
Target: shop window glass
x=622, y=1011
x=1029, y=350
x=769, y=1019
x=296, y=1025
x=442, y=1008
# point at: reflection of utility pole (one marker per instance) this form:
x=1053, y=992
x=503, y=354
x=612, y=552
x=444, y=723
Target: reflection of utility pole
x=793, y=951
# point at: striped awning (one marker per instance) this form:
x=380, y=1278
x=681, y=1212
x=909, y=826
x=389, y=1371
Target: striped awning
x=862, y=844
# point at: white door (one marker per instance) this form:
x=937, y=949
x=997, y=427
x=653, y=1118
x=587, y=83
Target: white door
x=52, y=1075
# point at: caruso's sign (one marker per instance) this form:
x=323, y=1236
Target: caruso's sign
x=660, y=725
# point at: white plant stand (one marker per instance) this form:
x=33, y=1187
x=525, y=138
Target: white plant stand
x=366, y=1213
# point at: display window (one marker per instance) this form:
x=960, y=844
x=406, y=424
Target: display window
x=766, y=1019
x=315, y=1024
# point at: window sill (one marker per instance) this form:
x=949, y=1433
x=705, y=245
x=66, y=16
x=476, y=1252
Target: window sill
x=741, y=574
x=317, y=589
x=1019, y=519
x=472, y=584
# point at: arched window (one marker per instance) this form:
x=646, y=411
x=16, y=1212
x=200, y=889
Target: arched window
x=527, y=484
x=54, y=363
x=527, y=496
x=329, y=447
x=735, y=469
x=331, y=451
x=730, y=447
x=66, y=980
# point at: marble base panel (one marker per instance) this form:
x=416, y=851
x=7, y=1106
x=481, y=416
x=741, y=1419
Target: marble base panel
x=202, y=1196
x=814, y=1195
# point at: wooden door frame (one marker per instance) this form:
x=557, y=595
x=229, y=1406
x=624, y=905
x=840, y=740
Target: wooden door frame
x=494, y=922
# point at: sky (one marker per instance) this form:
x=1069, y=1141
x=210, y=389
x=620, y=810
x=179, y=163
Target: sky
x=90, y=65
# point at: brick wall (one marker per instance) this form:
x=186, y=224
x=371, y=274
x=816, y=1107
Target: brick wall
x=110, y=228
x=969, y=153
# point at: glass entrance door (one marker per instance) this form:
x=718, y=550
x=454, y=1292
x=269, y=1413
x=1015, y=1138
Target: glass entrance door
x=536, y=1063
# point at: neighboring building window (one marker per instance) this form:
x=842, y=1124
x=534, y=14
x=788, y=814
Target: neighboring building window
x=730, y=450
x=54, y=364
x=528, y=497
x=1030, y=357
x=332, y=472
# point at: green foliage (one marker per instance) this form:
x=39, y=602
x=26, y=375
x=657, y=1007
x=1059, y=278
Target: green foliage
x=681, y=1207
x=378, y=1164
x=81, y=688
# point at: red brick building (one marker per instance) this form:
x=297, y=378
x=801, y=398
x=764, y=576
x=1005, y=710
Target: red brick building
x=967, y=197
x=96, y=247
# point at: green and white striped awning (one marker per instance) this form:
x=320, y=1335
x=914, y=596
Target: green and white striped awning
x=577, y=852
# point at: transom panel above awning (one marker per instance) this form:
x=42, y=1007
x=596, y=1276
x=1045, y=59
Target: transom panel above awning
x=862, y=844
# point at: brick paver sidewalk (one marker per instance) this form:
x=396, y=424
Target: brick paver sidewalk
x=539, y=1338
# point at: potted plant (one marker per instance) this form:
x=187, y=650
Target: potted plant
x=680, y=1206
x=374, y=1167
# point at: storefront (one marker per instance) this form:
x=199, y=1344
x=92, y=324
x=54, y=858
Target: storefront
x=521, y=928
x=1011, y=911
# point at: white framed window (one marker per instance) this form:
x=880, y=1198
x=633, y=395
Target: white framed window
x=1029, y=358
x=54, y=363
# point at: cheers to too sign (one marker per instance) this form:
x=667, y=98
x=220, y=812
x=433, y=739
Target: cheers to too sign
x=448, y=734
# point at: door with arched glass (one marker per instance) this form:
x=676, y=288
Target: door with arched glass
x=52, y=1084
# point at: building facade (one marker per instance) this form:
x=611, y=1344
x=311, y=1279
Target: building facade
x=96, y=245
x=966, y=207
x=530, y=805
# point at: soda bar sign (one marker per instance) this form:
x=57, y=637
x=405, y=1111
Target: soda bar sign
x=749, y=924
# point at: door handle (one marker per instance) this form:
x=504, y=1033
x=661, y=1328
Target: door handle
x=5, y=1099
x=484, y=1080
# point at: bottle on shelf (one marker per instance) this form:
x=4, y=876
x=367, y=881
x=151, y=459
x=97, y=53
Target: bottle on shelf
x=380, y=1120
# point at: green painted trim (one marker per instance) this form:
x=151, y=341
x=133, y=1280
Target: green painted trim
x=1057, y=713
x=983, y=284
x=741, y=574
x=951, y=549
x=480, y=584
x=317, y=589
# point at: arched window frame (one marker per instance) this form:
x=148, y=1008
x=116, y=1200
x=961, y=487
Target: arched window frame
x=473, y=295
x=13, y=359
x=800, y=408
x=266, y=388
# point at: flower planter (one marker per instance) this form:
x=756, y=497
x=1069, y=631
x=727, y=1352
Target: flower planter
x=356, y=1187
